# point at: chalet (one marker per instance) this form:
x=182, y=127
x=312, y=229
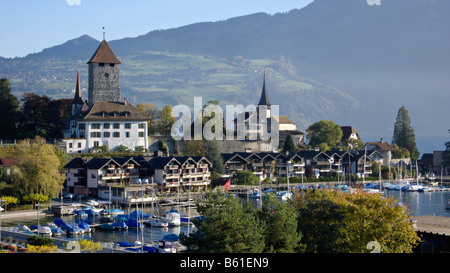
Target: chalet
x=86, y=176
x=319, y=162
x=384, y=148
x=176, y=173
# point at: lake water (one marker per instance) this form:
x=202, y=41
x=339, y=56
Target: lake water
x=418, y=203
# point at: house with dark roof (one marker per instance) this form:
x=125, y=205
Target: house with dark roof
x=180, y=173
x=104, y=120
x=86, y=176
x=264, y=165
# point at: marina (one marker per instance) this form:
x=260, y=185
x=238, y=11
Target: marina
x=428, y=207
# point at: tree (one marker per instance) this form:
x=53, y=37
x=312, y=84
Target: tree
x=337, y=222
x=280, y=226
x=212, y=153
x=324, y=131
x=404, y=135
x=165, y=121
x=162, y=146
x=226, y=227
x=194, y=148
x=400, y=152
x=150, y=110
x=37, y=169
x=88, y=246
x=34, y=116
x=246, y=178
x=289, y=145
x=9, y=200
x=9, y=111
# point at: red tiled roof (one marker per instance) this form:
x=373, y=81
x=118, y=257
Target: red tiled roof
x=8, y=161
x=382, y=145
x=104, y=54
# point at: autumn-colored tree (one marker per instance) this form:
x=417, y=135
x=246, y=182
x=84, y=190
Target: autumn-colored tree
x=37, y=169
x=338, y=222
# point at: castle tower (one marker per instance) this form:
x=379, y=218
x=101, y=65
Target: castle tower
x=264, y=100
x=104, y=75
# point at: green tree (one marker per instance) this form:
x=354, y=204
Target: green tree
x=319, y=220
x=280, y=226
x=9, y=111
x=194, y=148
x=246, y=178
x=35, y=198
x=162, y=146
x=289, y=145
x=226, y=227
x=404, y=135
x=212, y=153
x=324, y=131
x=34, y=116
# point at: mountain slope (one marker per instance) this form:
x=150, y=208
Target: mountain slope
x=378, y=58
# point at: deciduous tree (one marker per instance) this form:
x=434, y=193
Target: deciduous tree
x=37, y=169
x=324, y=132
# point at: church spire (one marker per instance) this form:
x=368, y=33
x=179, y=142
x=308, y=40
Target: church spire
x=77, y=99
x=264, y=97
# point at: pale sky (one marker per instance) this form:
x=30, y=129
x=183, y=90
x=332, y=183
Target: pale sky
x=29, y=26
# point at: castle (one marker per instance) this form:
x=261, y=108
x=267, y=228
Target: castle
x=104, y=119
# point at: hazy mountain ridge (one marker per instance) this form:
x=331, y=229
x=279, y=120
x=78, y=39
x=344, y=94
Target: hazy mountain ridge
x=376, y=57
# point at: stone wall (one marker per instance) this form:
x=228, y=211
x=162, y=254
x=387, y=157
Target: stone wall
x=104, y=83
x=226, y=146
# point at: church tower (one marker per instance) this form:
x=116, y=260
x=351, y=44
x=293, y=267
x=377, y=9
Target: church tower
x=264, y=101
x=77, y=103
x=104, y=75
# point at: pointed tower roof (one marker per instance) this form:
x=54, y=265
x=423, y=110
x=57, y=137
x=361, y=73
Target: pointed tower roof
x=77, y=99
x=104, y=54
x=264, y=100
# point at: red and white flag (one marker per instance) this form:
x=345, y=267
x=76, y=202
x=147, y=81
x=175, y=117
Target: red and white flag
x=228, y=184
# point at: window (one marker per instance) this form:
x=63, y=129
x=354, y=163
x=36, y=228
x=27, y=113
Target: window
x=141, y=125
x=116, y=126
x=127, y=125
x=70, y=145
x=101, y=64
x=96, y=144
x=112, y=65
x=106, y=134
x=96, y=125
x=116, y=134
x=127, y=134
x=79, y=144
x=141, y=134
x=106, y=125
x=81, y=126
x=96, y=134
x=106, y=75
